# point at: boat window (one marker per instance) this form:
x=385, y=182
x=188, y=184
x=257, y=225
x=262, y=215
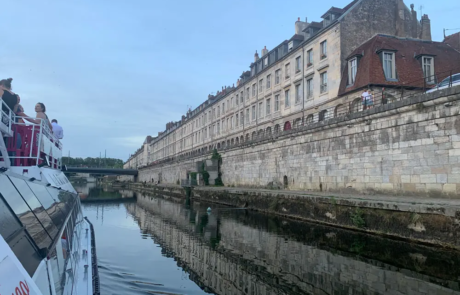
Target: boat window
x=35, y=205
x=64, y=200
x=8, y=222
x=53, y=208
x=24, y=213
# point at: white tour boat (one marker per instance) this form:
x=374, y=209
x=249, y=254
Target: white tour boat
x=47, y=246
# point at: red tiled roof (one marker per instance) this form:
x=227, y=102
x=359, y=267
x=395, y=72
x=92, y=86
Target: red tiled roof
x=453, y=40
x=408, y=67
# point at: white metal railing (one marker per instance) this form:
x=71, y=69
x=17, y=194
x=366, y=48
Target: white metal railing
x=6, y=116
x=28, y=143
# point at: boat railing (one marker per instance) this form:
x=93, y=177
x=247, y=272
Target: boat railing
x=28, y=143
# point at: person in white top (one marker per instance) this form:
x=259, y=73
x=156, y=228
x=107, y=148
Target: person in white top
x=57, y=130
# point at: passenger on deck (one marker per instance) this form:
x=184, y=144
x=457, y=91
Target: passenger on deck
x=40, y=109
x=57, y=129
x=9, y=97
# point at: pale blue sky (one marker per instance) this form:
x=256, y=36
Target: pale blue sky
x=114, y=71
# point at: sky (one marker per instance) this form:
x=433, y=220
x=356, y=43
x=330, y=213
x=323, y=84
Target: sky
x=114, y=71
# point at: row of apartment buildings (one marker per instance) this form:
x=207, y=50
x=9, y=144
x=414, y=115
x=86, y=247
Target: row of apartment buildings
x=319, y=73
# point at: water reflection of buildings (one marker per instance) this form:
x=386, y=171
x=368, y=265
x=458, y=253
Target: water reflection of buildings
x=235, y=256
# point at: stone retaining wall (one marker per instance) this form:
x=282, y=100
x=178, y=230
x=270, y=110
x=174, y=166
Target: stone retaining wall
x=408, y=147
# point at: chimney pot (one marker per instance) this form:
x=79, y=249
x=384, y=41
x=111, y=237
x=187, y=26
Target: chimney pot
x=298, y=19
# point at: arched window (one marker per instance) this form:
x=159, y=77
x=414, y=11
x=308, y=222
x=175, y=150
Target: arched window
x=233, y=141
x=237, y=140
x=242, y=139
x=309, y=119
x=247, y=137
x=218, y=146
x=339, y=111
x=223, y=144
x=228, y=142
x=268, y=131
x=287, y=126
x=277, y=128
x=260, y=134
x=322, y=115
x=297, y=123
x=253, y=137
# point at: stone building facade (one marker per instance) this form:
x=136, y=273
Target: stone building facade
x=294, y=84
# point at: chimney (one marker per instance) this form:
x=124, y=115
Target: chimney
x=237, y=82
x=426, y=28
x=264, y=51
x=256, y=56
x=414, y=22
x=300, y=25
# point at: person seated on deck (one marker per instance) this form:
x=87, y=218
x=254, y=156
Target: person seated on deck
x=41, y=114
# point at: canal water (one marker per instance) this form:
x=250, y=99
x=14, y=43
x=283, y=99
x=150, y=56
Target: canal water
x=163, y=245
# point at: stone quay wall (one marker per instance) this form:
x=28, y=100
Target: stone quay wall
x=409, y=147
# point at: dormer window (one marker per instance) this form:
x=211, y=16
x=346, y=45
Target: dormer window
x=352, y=70
x=266, y=61
x=389, y=67
x=290, y=45
x=428, y=69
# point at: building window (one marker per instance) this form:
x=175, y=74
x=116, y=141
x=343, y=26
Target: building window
x=261, y=85
x=223, y=108
x=322, y=115
x=218, y=111
x=237, y=122
x=310, y=88
x=228, y=124
x=241, y=118
x=269, y=78
x=389, y=65
x=266, y=61
x=231, y=103
x=277, y=103
x=288, y=70
x=277, y=76
x=298, y=93
x=241, y=97
x=310, y=58
x=253, y=113
x=298, y=67
x=261, y=107
x=428, y=69
x=247, y=93
x=324, y=49
x=287, y=102
x=254, y=89
x=218, y=127
x=237, y=99
x=352, y=69
x=268, y=107
x=247, y=115
x=323, y=78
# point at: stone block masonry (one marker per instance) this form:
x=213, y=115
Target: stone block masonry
x=410, y=147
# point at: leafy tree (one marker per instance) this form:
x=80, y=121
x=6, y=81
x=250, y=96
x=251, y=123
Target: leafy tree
x=92, y=162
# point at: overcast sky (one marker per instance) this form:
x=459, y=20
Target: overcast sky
x=114, y=71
